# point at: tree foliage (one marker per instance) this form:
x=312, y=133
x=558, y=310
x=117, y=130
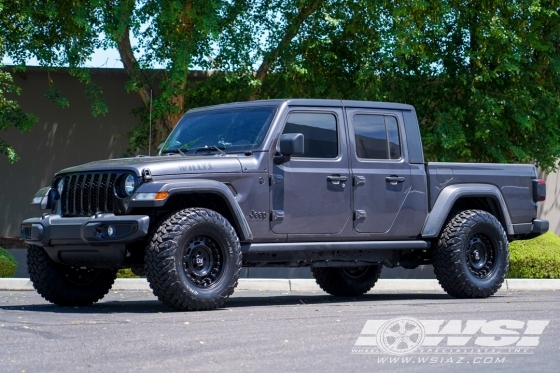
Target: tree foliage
x=483, y=75
x=11, y=114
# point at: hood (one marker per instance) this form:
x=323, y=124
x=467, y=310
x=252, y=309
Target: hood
x=163, y=165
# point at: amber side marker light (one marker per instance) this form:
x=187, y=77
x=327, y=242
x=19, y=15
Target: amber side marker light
x=160, y=196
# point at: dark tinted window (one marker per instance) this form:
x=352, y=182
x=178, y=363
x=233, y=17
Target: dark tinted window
x=377, y=137
x=371, y=137
x=319, y=132
x=394, y=140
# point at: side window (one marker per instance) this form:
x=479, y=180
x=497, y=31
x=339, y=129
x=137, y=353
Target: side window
x=394, y=139
x=319, y=132
x=377, y=137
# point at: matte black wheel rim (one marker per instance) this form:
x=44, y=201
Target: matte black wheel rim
x=80, y=276
x=481, y=255
x=203, y=261
x=355, y=272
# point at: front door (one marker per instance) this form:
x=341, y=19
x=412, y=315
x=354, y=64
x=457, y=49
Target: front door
x=311, y=193
x=381, y=174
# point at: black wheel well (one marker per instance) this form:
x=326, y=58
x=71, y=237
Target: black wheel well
x=210, y=201
x=488, y=204
x=175, y=203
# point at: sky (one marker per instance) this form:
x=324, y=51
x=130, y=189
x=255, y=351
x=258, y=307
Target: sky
x=101, y=58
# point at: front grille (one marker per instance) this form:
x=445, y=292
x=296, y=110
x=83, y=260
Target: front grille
x=87, y=194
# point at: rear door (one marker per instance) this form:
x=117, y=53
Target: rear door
x=381, y=173
x=311, y=194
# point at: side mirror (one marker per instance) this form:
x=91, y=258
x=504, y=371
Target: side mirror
x=160, y=146
x=290, y=144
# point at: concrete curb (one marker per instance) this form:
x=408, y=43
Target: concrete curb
x=15, y=284
x=532, y=284
x=305, y=285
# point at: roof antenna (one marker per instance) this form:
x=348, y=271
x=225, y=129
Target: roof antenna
x=150, y=138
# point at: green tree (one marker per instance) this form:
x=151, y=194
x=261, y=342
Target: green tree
x=175, y=34
x=58, y=34
x=11, y=114
x=483, y=75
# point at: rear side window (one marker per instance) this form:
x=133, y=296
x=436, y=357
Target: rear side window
x=377, y=136
x=319, y=132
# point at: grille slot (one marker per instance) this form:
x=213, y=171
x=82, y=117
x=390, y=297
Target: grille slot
x=88, y=193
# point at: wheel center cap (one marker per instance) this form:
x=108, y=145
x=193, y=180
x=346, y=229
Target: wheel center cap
x=199, y=261
x=477, y=255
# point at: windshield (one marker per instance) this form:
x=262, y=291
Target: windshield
x=225, y=130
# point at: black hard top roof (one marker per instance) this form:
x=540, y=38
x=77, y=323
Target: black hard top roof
x=317, y=102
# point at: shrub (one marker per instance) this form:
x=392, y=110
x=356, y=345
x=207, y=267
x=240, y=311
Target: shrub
x=8, y=264
x=126, y=273
x=535, y=258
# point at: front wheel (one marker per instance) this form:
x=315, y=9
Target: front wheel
x=64, y=285
x=347, y=281
x=472, y=255
x=193, y=260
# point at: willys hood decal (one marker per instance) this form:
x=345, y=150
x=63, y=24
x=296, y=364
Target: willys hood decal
x=162, y=165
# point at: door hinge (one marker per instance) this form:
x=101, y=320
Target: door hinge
x=359, y=180
x=360, y=214
x=276, y=179
x=277, y=215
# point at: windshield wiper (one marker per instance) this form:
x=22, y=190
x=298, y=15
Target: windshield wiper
x=213, y=147
x=175, y=150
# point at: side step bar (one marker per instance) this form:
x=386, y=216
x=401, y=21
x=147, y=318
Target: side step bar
x=285, y=247
x=335, y=254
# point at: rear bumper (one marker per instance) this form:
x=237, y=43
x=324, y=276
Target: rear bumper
x=539, y=227
x=527, y=231
x=97, y=230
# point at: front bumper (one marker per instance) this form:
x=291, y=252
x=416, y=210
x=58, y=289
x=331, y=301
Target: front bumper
x=97, y=230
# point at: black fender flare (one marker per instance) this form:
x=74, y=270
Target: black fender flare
x=174, y=187
x=450, y=194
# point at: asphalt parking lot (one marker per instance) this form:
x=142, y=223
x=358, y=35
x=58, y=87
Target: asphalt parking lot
x=257, y=331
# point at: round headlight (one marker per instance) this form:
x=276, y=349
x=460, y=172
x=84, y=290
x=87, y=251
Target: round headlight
x=129, y=184
x=60, y=186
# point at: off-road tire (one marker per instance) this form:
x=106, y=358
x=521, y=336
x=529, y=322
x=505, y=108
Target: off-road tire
x=471, y=259
x=173, y=269
x=347, y=281
x=67, y=286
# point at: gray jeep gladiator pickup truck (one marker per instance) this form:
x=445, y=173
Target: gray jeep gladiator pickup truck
x=337, y=186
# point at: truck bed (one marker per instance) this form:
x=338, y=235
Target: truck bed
x=515, y=182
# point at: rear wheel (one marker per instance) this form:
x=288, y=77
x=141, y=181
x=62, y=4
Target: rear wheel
x=472, y=256
x=347, y=281
x=67, y=286
x=193, y=260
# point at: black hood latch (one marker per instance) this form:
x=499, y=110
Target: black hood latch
x=146, y=175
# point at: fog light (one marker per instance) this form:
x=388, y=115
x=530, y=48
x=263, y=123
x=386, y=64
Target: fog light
x=26, y=231
x=110, y=230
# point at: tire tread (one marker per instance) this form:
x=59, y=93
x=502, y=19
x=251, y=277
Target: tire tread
x=447, y=256
x=160, y=263
x=50, y=283
x=333, y=281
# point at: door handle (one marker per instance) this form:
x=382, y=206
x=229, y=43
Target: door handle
x=336, y=179
x=394, y=180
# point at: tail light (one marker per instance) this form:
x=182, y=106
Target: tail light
x=539, y=190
